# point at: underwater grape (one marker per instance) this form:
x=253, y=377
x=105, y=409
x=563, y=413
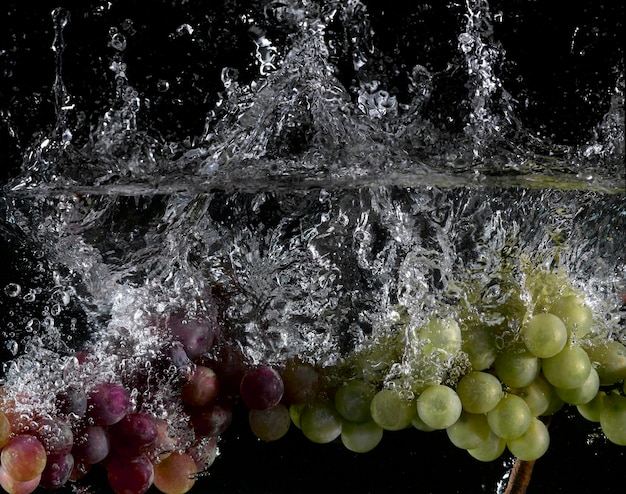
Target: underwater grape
x=575, y=314
x=439, y=406
x=196, y=333
x=130, y=475
x=320, y=422
x=23, y=457
x=58, y=470
x=532, y=444
x=261, y=388
x=135, y=434
x=510, y=418
x=613, y=418
x=202, y=388
x=270, y=424
x=516, y=367
x=568, y=369
x=108, y=403
x=391, y=411
x=12, y=486
x=610, y=359
x=544, y=335
x=469, y=431
x=353, y=399
x=5, y=429
x=91, y=445
x=175, y=474
x=301, y=381
x=479, y=392
x=361, y=437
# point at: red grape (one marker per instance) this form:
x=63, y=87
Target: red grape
x=202, y=388
x=56, y=436
x=230, y=365
x=211, y=420
x=72, y=401
x=262, y=388
x=164, y=443
x=130, y=475
x=108, y=403
x=203, y=452
x=196, y=333
x=91, y=445
x=13, y=486
x=24, y=457
x=58, y=471
x=135, y=434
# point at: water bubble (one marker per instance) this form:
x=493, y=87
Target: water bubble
x=30, y=296
x=184, y=29
x=118, y=42
x=163, y=86
x=12, y=346
x=13, y=289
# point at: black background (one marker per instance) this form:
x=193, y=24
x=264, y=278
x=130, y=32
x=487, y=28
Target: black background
x=561, y=65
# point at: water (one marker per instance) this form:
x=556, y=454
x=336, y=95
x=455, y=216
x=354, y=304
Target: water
x=332, y=192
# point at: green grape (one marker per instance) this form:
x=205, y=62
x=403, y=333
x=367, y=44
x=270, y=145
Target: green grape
x=439, y=406
x=391, y=411
x=611, y=359
x=544, y=335
x=444, y=336
x=320, y=422
x=583, y=393
x=554, y=405
x=470, y=431
x=490, y=449
x=420, y=425
x=574, y=313
x=479, y=392
x=510, y=418
x=537, y=395
x=567, y=369
x=532, y=444
x=613, y=418
x=361, y=437
x=269, y=424
x=593, y=409
x=294, y=413
x=480, y=346
x=516, y=367
x=353, y=399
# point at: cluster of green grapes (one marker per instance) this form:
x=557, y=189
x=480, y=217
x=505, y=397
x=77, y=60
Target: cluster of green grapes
x=500, y=400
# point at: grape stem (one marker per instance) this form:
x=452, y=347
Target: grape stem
x=520, y=475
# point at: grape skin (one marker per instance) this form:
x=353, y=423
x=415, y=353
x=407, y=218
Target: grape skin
x=353, y=399
x=544, y=335
x=532, y=444
x=130, y=475
x=470, y=431
x=516, y=367
x=23, y=457
x=583, y=393
x=391, y=411
x=593, y=409
x=567, y=369
x=202, y=388
x=58, y=470
x=92, y=445
x=261, y=388
x=108, y=403
x=479, y=392
x=439, y=406
x=320, y=422
x=510, y=418
x=270, y=424
x=5, y=429
x=613, y=418
x=491, y=449
x=175, y=474
x=12, y=486
x=361, y=437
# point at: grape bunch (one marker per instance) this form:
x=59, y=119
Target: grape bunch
x=490, y=388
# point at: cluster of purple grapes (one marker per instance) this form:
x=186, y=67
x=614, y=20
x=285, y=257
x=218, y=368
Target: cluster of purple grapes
x=100, y=424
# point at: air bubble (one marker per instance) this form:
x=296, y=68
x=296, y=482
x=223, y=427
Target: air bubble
x=13, y=290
